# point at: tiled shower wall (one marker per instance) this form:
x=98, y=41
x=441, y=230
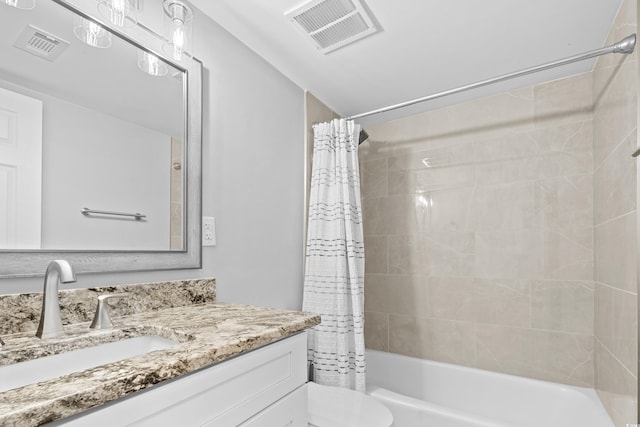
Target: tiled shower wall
x=615, y=87
x=479, y=232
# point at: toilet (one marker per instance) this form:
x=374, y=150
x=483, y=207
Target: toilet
x=339, y=407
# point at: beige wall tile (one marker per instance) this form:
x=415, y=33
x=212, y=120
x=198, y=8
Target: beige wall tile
x=611, y=87
x=449, y=209
x=429, y=178
x=491, y=117
x=566, y=258
x=374, y=178
x=616, y=324
x=436, y=254
x=502, y=302
x=609, y=130
x=565, y=149
x=396, y=294
x=376, y=330
x=616, y=387
x=396, y=215
x=437, y=155
x=562, y=306
x=450, y=253
x=176, y=243
x=408, y=255
x=508, y=206
x=404, y=132
x=615, y=85
x=373, y=148
x=376, y=255
x=615, y=113
x=615, y=253
x=547, y=355
x=515, y=170
x=434, y=339
x=506, y=147
x=509, y=254
x=615, y=183
x=563, y=101
x=373, y=219
x=510, y=158
x=567, y=202
x=451, y=298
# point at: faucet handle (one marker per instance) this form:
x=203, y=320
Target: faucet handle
x=101, y=319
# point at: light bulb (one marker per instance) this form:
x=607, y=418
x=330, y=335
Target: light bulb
x=178, y=18
x=177, y=38
x=91, y=33
x=151, y=64
x=121, y=13
x=118, y=12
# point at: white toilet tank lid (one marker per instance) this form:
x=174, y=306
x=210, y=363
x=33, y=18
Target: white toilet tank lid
x=338, y=407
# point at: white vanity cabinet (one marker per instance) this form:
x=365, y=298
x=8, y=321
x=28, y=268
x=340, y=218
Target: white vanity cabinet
x=264, y=388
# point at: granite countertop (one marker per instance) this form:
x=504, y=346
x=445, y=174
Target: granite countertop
x=206, y=333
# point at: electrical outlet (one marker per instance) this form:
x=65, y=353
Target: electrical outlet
x=208, y=231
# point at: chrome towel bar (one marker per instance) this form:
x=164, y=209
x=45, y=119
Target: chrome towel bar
x=87, y=212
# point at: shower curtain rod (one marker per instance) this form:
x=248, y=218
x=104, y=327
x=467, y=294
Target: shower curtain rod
x=625, y=46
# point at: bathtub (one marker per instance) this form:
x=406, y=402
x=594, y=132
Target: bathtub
x=422, y=393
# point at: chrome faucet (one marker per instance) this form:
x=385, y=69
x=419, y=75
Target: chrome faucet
x=102, y=320
x=50, y=320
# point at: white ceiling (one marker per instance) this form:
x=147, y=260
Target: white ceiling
x=105, y=80
x=425, y=46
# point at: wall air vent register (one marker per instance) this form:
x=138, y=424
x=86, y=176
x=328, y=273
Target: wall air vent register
x=40, y=43
x=332, y=24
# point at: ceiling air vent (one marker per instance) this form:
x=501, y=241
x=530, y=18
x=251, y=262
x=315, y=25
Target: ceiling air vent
x=40, y=43
x=332, y=24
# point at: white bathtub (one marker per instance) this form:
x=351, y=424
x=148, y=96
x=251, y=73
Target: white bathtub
x=422, y=393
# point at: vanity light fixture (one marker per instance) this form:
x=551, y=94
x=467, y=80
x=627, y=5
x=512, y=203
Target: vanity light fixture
x=91, y=33
x=21, y=4
x=121, y=13
x=178, y=19
x=151, y=64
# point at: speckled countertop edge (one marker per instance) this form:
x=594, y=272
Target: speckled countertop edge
x=207, y=333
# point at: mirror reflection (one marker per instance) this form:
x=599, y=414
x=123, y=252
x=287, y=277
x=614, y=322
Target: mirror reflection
x=88, y=122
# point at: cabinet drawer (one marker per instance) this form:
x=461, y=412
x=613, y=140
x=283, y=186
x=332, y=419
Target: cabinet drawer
x=290, y=411
x=226, y=394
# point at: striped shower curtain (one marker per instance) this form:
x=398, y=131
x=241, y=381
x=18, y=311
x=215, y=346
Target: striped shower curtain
x=334, y=271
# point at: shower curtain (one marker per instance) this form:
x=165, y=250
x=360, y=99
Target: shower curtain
x=334, y=270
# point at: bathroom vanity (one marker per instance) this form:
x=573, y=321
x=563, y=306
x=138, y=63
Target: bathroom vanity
x=220, y=364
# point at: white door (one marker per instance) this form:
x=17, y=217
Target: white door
x=20, y=171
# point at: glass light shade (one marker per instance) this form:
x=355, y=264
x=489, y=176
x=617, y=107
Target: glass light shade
x=91, y=33
x=21, y=4
x=151, y=64
x=178, y=20
x=121, y=13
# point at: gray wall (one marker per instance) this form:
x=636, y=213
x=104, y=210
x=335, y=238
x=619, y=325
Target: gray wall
x=92, y=159
x=94, y=162
x=253, y=132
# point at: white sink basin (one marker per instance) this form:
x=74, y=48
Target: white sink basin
x=46, y=368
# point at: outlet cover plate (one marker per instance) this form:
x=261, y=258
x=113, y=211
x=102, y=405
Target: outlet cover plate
x=208, y=231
